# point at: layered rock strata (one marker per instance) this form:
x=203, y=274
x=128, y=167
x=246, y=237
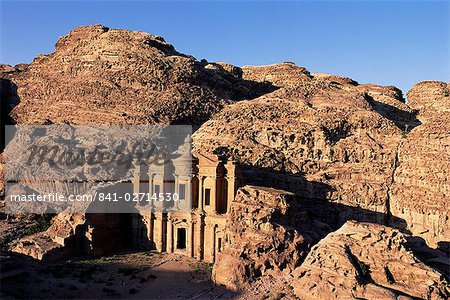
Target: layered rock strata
x=366, y=261
x=110, y=76
x=265, y=236
x=323, y=128
x=421, y=191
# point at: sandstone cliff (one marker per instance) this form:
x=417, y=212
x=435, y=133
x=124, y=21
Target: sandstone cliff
x=421, y=191
x=358, y=146
x=99, y=75
x=366, y=261
x=327, y=129
x=268, y=247
x=265, y=236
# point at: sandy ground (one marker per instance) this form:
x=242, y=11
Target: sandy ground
x=144, y=275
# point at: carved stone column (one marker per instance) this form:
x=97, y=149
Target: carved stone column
x=215, y=195
x=190, y=234
x=151, y=228
x=176, y=191
x=136, y=177
x=159, y=231
x=232, y=184
x=200, y=236
x=200, y=193
x=170, y=235
x=188, y=194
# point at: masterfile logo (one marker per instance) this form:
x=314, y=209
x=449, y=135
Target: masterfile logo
x=99, y=169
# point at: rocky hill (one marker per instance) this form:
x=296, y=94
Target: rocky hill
x=346, y=267
x=421, y=191
x=109, y=76
x=345, y=142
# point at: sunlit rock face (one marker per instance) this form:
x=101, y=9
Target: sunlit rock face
x=421, y=191
x=265, y=236
x=366, y=261
x=316, y=149
x=325, y=128
x=99, y=75
x=329, y=129
x=358, y=145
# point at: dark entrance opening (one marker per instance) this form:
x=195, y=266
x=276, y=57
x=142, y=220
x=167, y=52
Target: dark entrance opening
x=207, y=196
x=181, y=238
x=219, y=245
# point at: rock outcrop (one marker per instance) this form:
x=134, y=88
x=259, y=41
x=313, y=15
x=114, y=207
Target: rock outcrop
x=99, y=75
x=329, y=129
x=358, y=146
x=61, y=240
x=421, y=191
x=430, y=98
x=265, y=235
x=325, y=128
x=366, y=261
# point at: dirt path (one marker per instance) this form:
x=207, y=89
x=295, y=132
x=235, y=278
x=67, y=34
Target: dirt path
x=144, y=275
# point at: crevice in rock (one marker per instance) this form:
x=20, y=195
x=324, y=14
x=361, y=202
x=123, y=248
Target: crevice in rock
x=362, y=269
x=395, y=165
x=389, y=277
x=405, y=119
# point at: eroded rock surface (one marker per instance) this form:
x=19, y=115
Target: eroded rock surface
x=421, y=191
x=324, y=128
x=355, y=150
x=99, y=75
x=358, y=145
x=59, y=241
x=265, y=236
x=366, y=261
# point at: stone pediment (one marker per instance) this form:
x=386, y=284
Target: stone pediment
x=208, y=160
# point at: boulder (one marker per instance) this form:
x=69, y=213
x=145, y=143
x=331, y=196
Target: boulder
x=366, y=261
